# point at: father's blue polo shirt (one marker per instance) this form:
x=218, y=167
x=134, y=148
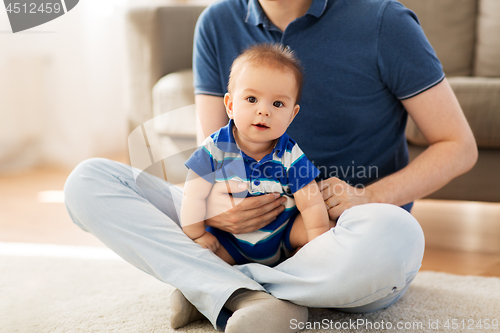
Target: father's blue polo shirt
x=360, y=59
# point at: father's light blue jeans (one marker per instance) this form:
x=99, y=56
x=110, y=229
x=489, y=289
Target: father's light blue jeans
x=364, y=264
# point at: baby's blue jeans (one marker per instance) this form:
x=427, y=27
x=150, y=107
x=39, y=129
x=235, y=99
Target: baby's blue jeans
x=364, y=264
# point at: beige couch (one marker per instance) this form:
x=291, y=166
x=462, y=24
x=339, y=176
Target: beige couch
x=464, y=33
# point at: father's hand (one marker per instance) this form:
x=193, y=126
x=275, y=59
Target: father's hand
x=339, y=196
x=236, y=215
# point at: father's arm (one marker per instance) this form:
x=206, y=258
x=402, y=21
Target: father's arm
x=248, y=215
x=211, y=115
x=452, y=152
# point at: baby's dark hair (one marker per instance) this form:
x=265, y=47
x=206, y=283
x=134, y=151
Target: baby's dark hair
x=271, y=55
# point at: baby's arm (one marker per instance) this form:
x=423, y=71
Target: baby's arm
x=193, y=210
x=309, y=201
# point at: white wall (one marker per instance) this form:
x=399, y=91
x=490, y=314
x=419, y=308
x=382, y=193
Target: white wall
x=63, y=87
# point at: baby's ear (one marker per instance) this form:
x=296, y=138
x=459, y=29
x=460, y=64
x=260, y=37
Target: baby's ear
x=228, y=102
x=296, y=109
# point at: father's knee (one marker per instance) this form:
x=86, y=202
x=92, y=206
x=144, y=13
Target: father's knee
x=382, y=219
x=389, y=226
x=77, y=183
x=391, y=216
x=81, y=188
x=404, y=234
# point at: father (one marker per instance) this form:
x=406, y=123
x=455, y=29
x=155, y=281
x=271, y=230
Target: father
x=367, y=66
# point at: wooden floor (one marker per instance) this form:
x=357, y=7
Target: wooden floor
x=461, y=237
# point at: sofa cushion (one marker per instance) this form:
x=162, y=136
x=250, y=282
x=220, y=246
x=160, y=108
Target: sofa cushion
x=450, y=27
x=480, y=101
x=487, y=62
x=479, y=184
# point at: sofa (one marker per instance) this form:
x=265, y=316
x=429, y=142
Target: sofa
x=464, y=33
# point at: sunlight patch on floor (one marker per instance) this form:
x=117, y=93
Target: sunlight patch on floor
x=50, y=196
x=58, y=251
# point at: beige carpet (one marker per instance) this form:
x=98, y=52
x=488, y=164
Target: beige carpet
x=62, y=289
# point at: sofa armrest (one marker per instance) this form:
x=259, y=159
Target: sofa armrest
x=160, y=41
x=479, y=98
x=171, y=97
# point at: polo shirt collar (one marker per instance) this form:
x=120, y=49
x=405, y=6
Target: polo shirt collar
x=317, y=8
x=280, y=146
x=256, y=16
x=225, y=141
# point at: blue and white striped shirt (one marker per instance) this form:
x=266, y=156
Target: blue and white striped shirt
x=285, y=170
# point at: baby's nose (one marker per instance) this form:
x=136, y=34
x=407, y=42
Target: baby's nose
x=264, y=111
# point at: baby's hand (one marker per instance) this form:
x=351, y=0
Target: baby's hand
x=208, y=241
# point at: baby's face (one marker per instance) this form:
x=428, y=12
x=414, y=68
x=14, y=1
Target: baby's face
x=262, y=103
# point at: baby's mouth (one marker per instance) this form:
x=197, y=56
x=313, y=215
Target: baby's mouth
x=261, y=125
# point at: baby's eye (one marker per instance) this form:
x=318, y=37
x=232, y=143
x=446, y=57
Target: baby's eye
x=252, y=99
x=278, y=104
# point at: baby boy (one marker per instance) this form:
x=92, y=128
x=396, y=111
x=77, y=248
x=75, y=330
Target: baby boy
x=262, y=100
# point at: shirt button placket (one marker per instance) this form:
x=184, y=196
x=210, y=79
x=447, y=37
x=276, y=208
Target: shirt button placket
x=255, y=181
